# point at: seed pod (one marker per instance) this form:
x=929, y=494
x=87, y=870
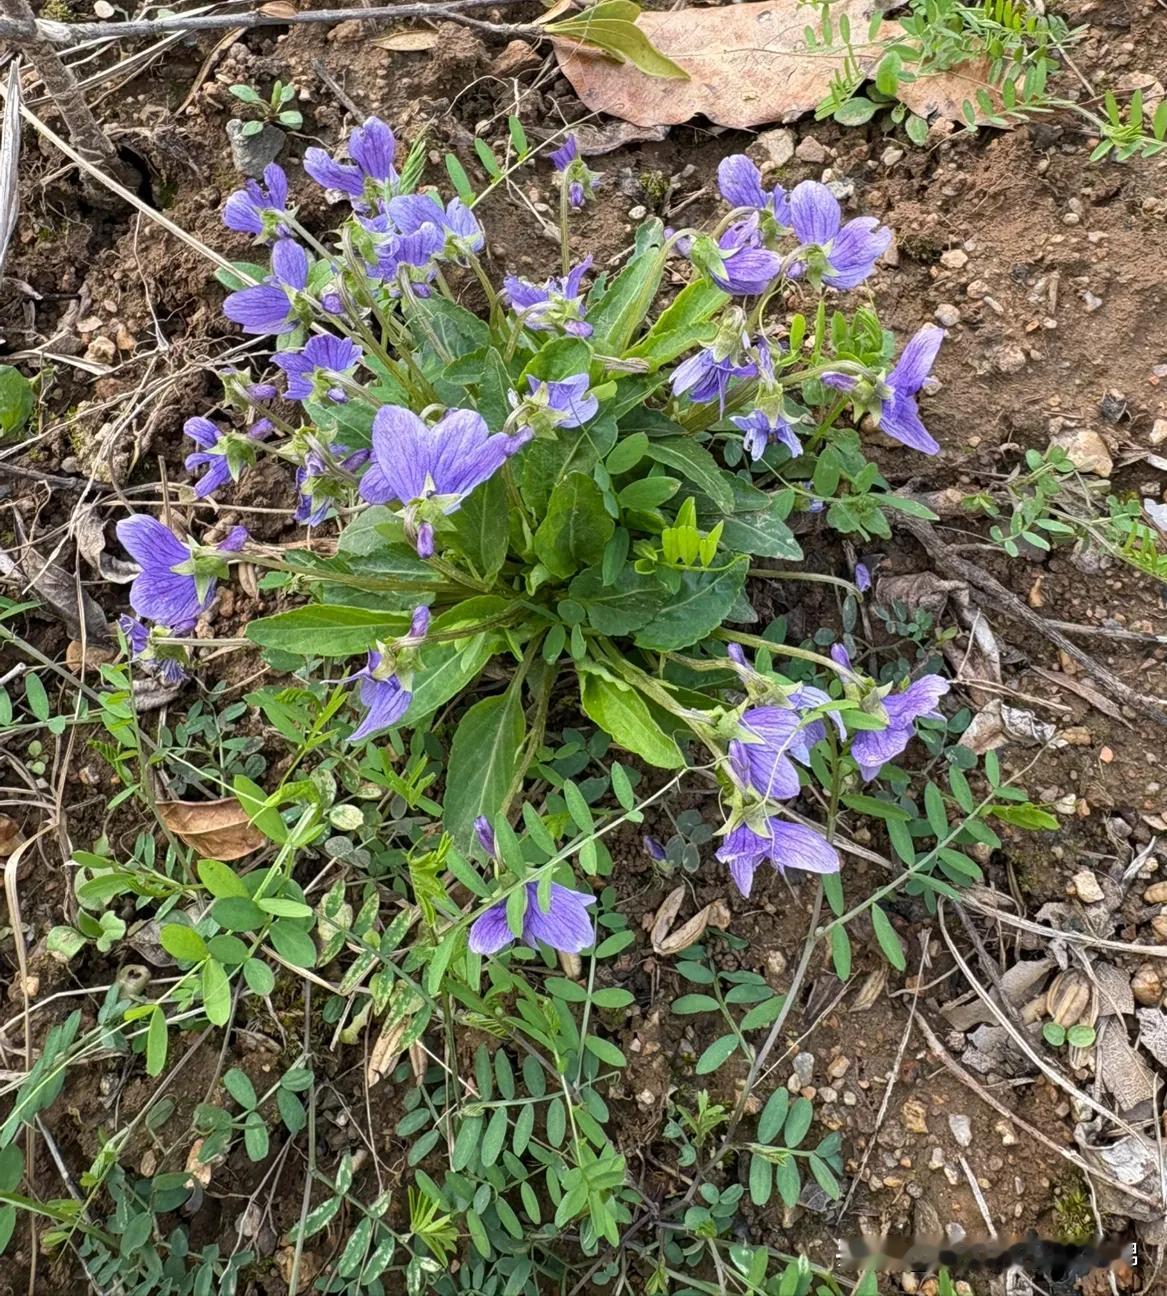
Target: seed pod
x=1147, y=984
x=1067, y=1001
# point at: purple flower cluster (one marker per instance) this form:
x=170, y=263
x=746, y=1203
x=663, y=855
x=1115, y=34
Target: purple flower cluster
x=780, y=843
x=168, y=670
x=428, y=470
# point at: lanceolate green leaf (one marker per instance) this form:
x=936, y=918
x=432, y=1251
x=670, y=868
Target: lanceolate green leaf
x=682, y=325
x=327, y=630
x=447, y=668
x=483, y=759
x=621, y=712
x=626, y=299
x=629, y=602
x=698, y=465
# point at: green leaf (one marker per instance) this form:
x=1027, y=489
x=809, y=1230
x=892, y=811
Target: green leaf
x=798, y=1122
x=695, y=1003
x=216, y=993
x=495, y=1136
x=293, y=944
x=773, y=1115
x=1026, y=815
x=446, y=669
x=327, y=630
x=544, y=466
x=763, y=533
x=220, y=880
x=623, y=714
x=934, y=809
x=761, y=1180
x=619, y=607
x=917, y=129
x=718, y=1052
x=788, y=1182
x=182, y=942
x=697, y=609
x=605, y=1050
x=459, y=179
x=1054, y=1033
x=238, y=914
x=36, y=697
x=621, y=39
x=259, y=977
x=239, y=1086
x=1081, y=1036
x=480, y=527
x=869, y=805
x=888, y=938
x=626, y=299
x=576, y=528
x=681, y=325
x=841, y=952
x=156, y=1043
x=279, y=907
x=483, y=759
x=824, y=1176
x=255, y=1137
x=855, y=112
x=696, y=464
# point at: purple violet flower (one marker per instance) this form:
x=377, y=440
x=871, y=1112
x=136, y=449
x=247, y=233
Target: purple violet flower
x=760, y=757
x=849, y=251
x=899, y=414
x=485, y=834
x=214, y=452
x=314, y=369
x=740, y=183
x=458, y=226
x=747, y=268
x=166, y=669
x=372, y=148
x=558, y=304
x=872, y=749
x=785, y=845
x=271, y=307
x=654, y=849
x=565, y=926
x=385, y=680
x=569, y=399
x=862, y=578
x=706, y=377
x=431, y=470
x=259, y=209
x=161, y=592
x=574, y=172
x=759, y=430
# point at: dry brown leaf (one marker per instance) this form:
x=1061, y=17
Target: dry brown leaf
x=199, y=1171
x=663, y=920
x=90, y=659
x=747, y=64
x=407, y=41
x=387, y=1049
x=1085, y=691
x=665, y=942
x=1120, y=1068
x=870, y=990
x=943, y=94
x=278, y=9
x=216, y=829
x=10, y=836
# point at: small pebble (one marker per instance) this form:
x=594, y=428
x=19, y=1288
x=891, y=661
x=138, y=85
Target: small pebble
x=947, y=315
x=810, y=150
x=637, y=213
x=954, y=259
x=961, y=1128
x=1086, y=887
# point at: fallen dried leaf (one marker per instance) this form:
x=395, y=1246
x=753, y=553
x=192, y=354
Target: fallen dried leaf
x=690, y=932
x=216, y=829
x=1153, y=1033
x=747, y=64
x=663, y=919
x=278, y=9
x=870, y=990
x=91, y=657
x=607, y=137
x=944, y=94
x=1086, y=691
x=61, y=593
x=407, y=41
x=10, y=836
x=997, y=724
x=1120, y=1068
x=1114, y=990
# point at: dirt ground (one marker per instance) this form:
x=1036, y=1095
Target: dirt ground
x=1048, y=272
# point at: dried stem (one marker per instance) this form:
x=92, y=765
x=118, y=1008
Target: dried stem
x=20, y=26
